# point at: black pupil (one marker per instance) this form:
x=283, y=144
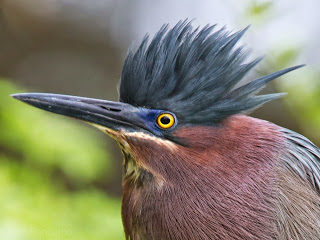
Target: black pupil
x=165, y=120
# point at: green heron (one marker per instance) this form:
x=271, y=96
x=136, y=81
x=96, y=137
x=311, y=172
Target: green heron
x=195, y=166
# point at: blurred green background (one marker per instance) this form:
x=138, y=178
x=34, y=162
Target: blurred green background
x=61, y=179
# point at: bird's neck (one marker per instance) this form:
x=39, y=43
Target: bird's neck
x=223, y=182
x=133, y=174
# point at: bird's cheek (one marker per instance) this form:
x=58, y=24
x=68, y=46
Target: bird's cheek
x=118, y=136
x=148, y=149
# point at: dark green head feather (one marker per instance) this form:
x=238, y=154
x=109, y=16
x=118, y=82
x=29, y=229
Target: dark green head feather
x=193, y=73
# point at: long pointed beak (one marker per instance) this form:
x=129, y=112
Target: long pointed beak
x=112, y=115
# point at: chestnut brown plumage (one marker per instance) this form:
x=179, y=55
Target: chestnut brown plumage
x=195, y=167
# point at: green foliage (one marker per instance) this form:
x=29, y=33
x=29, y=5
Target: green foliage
x=50, y=141
x=285, y=57
x=302, y=86
x=258, y=12
x=257, y=9
x=304, y=100
x=35, y=203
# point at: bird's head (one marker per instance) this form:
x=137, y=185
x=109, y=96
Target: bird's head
x=176, y=96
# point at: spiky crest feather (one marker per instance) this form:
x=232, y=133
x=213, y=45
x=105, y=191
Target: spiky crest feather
x=193, y=73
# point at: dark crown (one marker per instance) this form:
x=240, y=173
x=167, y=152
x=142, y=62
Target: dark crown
x=193, y=74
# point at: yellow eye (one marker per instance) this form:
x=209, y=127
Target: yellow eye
x=165, y=120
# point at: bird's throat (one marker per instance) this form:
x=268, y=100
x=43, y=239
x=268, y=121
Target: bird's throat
x=134, y=174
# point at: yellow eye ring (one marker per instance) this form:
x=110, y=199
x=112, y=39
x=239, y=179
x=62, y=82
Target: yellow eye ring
x=165, y=120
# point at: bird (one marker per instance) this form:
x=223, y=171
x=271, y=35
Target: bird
x=195, y=164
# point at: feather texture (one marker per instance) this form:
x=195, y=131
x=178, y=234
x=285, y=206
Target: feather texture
x=193, y=73
x=304, y=157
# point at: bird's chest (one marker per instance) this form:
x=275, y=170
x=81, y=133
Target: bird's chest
x=146, y=213
x=172, y=213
